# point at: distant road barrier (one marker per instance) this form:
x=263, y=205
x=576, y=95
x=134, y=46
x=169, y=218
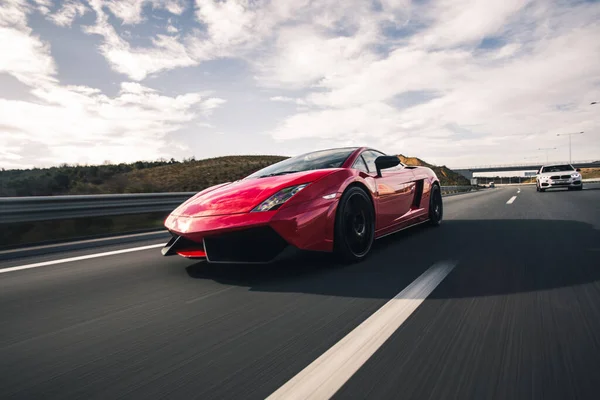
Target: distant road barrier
x=458, y=189
x=592, y=163
x=43, y=208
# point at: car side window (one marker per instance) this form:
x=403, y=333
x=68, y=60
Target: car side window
x=360, y=165
x=370, y=157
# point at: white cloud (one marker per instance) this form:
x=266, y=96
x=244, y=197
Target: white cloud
x=211, y=104
x=69, y=11
x=367, y=122
x=13, y=14
x=43, y=6
x=137, y=63
x=25, y=56
x=285, y=99
x=80, y=123
x=84, y=123
x=130, y=11
x=302, y=56
x=547, y=60
x=465, y=21
x=176, y=7
x=231, y=25
x=405, y=76
x=241, y=28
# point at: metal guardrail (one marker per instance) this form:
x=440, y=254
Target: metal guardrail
x=43, y=208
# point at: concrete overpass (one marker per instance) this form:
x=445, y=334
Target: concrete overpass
x=468, y=171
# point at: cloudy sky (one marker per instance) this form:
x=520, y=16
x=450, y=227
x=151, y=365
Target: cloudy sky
x=456, y=82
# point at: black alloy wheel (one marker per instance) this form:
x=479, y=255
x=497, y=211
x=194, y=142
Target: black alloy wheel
x=355, y=225
x=436, y=206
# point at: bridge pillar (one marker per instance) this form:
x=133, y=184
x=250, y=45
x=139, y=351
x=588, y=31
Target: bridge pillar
x=467, y=173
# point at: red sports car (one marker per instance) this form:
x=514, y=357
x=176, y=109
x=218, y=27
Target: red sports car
x=336, y=200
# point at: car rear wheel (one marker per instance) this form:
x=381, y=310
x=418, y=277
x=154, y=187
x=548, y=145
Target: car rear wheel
x=436, y=206
x=355, y=225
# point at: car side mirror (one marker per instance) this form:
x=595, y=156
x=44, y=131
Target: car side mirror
x=384, y=162
x=578, y=169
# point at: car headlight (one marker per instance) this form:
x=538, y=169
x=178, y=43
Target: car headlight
x=275, y=201
x=575, y=175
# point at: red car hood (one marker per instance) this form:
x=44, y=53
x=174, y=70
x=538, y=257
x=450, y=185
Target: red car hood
x=242, y=196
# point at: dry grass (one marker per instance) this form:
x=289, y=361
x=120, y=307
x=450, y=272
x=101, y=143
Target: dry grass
x=589, y=173
x=190, y=176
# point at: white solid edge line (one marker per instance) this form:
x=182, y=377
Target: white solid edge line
x=65, y=244
x=511, y=200
x=79, y=258
x=328, y=373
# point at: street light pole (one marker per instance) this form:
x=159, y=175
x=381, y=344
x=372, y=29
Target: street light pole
x=569, y=134
x=546, y=149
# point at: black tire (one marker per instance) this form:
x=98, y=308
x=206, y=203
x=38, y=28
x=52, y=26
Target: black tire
x=537, y=187
x=580, y=187
x=436, y=206
x=354, y=225
x=542, y=190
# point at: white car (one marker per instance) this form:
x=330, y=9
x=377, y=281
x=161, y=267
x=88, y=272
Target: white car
x=558, y=176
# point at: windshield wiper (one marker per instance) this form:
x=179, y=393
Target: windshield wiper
x=278, y=173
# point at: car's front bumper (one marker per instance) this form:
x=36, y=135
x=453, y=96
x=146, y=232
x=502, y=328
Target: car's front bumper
x=560, y=183
x=254, y=236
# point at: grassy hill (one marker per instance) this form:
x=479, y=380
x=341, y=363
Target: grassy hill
x=158, y=176
x=139, y=177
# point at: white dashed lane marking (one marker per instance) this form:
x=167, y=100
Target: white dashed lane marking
x=511, y=200
x=328, y=373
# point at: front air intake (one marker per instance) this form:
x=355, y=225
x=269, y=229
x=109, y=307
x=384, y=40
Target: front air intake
x=254, y=245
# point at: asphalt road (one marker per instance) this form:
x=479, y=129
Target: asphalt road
x=518, y=317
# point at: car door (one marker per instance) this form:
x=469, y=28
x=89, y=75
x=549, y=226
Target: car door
x=395, y=191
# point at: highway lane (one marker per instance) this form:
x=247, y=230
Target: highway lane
x=518, y=319
x=502, y=324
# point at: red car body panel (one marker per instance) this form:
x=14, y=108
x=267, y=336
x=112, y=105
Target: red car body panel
x=307, y=220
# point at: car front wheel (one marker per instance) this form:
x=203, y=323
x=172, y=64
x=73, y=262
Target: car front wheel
x=355, y=225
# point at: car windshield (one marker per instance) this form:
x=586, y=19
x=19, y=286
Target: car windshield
x=558, y=168
x=333, y=158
